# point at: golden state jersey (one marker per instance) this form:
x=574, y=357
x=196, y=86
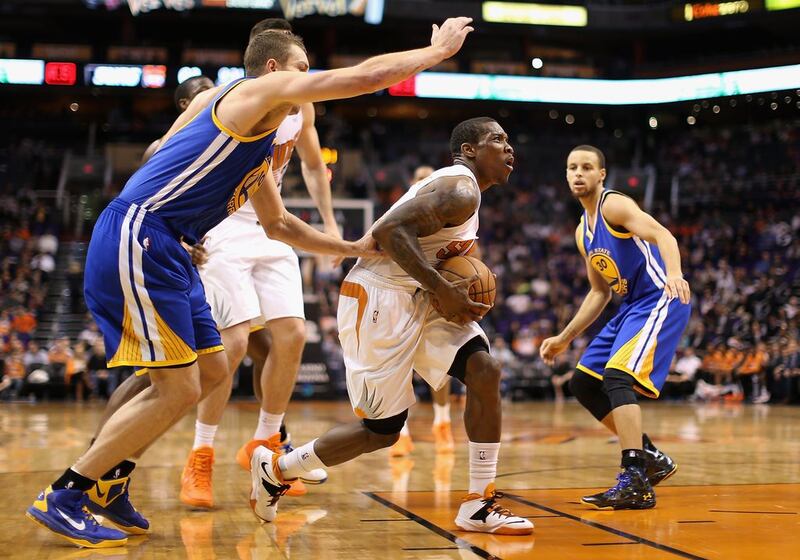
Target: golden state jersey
x=202, y=174
x=445, y=243
x=285, y=139
x=632, y=267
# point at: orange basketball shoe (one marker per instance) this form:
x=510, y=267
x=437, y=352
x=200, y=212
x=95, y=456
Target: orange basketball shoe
x=274, y=444
x=196, y=480
x=402, y=447
x=443, y=438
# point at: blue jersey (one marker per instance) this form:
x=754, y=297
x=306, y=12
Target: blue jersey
x=632, y=267
x=202, y=174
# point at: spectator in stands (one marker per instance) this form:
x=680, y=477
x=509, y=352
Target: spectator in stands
x=103, y=379
x=752, y=374
x=80, y=380
x=562, y=373
x=60, y=360
x=682, y=377
x=786, y=373
x=90, y=334
x=35, y=357
x=14, y=370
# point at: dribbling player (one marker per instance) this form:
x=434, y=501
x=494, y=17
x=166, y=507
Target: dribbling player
x=388, y=329
x=629, y=252
x=140, y=284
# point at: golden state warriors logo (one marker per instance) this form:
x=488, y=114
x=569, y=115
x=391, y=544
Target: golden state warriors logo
x=601, y=261
x=248, y=186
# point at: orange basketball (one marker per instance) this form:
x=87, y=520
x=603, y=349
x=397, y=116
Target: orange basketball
x=481, y=290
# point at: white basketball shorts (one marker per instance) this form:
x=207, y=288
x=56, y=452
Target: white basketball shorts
x=387, y=332
x=250, y=277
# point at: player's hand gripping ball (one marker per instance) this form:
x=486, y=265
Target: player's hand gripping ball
x=482, y=290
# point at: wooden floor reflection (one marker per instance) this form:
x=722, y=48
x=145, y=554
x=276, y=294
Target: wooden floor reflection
x=736, y=495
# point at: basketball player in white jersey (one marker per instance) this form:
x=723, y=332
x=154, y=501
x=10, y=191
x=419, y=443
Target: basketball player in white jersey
x=441, y=428
x=253, y=282
x=388, y=329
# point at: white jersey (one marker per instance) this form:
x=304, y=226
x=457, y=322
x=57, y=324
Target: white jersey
x=285, y=139
x=445, y=243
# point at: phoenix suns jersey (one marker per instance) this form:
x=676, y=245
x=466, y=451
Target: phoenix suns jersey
x=445, y=243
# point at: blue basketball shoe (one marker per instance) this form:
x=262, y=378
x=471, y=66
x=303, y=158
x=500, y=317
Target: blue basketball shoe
x=110, y=498
x=64, y=512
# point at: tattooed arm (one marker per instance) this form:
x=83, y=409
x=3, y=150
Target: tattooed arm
x=445, y=202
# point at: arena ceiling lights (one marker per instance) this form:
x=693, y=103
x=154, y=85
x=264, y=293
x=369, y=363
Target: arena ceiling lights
x=598, y=92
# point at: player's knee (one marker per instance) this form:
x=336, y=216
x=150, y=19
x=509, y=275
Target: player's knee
x=618, y=385
x=483, y=373
x=289, y=334
x=384, y=432
x=235, y=348
x=258, y=344
x=589, y=392
x=180, y=392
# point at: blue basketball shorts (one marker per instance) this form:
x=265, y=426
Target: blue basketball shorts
x=640, y=340
x=144, y=293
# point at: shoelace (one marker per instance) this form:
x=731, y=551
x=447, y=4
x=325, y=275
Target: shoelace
x=201, y=470
x=87, y=515
x=495, y=507
x=623, y=481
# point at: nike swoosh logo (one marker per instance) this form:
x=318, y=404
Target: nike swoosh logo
x=79, y=526
x=100, y=494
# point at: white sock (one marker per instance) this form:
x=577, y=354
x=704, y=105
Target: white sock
x=482, y=465
x=268, y=424
x=299, y=461
x=404, y=431
x=203, y=435
x=441, y=414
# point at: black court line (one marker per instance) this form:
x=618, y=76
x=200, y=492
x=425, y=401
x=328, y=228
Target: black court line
x=697, y=521
x=538, y=516
x=763, y=512
x=459, y=542
x=606, y=528
x=392, y=519
x=607, y=543
x=433, y=548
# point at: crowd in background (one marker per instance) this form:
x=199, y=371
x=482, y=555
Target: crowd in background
x=737, y=224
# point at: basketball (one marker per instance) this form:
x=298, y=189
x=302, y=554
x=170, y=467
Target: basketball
x=481, y=290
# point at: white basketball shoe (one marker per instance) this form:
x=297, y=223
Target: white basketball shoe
x=482, y=514
x=267, y=484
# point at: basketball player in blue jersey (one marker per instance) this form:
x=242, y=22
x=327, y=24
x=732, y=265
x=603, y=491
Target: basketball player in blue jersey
x=140, y=284
x=631, y=254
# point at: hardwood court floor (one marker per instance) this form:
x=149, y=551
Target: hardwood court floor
x=736, y=494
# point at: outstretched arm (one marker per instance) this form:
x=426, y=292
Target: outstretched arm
x=623, y=211
x=315, y=173
x=279, y=224
x=246, y=108
x=593, y=304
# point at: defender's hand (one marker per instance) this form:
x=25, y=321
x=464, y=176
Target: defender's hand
x=552, y=347
x=677, y=287
x=451, y=35
x=365, y=247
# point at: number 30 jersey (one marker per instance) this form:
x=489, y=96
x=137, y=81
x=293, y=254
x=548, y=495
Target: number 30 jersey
x=632, y=267
x=445, y=243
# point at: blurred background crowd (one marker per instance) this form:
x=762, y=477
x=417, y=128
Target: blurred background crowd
x=722, y=174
